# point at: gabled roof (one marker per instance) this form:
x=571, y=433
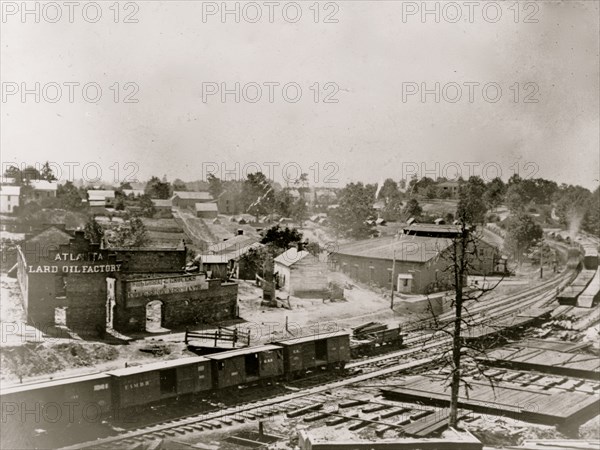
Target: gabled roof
x=52, y=235
x=161, y=202
x=186, y=195
x=100, y=193
x=291, y=257
x=10, y=190
x=236, y=242
x=43, y=185
x=405, y=248
x=206, y=207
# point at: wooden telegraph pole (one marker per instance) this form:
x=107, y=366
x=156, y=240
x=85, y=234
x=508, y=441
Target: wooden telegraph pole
x=393, y=272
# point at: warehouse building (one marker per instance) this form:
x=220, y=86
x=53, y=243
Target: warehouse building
x=206, y=210
x=420, y=263
x=67, y=280
x=184, y=199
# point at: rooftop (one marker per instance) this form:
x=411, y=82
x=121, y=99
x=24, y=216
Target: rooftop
x=156, y=366
x=43, y=185
x=206, y=207
x=10, y=190
x=242, y=351
x=291, y=257
x=234, y=243
x=161, y=202
x=313, y=337
x=100, y=193
x=50, y=383
x=192, y=195
x=404, y=248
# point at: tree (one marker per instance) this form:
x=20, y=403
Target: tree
x=46, y=172
x=147, y=206
x=258, y=196
x=494, y=193
x=355, y=208
x=156, y=188
x=129, y=234
x=93, y=231
x=215, y=186
x=68, y=195
x=471, y=206
x=125, y=185
x=412, y=209
x=282, y=238
x=179, y=185
x=521, y=233
x=431, y=191
x=299, y=211
x=591, y=222
x=572, y=205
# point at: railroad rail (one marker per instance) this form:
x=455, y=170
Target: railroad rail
x=493, y=308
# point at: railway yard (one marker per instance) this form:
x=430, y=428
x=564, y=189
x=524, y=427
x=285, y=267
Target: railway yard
x=526, y=381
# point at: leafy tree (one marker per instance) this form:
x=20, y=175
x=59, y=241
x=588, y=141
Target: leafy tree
x=521, y=233
x=302, y=183
x=471, y=206
x=494, y=193
x=258, y=196
x=392, y=210
x=389, y=190
x=145, y=203
x=282, y=238
x=179, y=185
x=119, y=203
x=128, y=234
x=516, y=198
x=591, y=222
x=412, y=209
x=299, y=211
x=125, y=185
x=431, y=191
x=572, y=205
x=355, y=208
x=156, y=188
x=69, y=196
x=215, y=186
x=93, y=231
x=46, y=172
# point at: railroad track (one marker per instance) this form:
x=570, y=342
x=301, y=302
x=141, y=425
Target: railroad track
x=421, y=343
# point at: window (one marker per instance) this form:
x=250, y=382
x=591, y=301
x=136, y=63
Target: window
x=405, y=282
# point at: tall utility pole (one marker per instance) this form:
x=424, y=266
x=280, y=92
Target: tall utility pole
x=542, y=260
x=392, y=284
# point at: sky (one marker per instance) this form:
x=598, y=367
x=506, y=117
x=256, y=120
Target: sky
x=353, y=108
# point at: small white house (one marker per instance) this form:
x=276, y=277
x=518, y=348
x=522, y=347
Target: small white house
x=301, y=274
x=10, y=198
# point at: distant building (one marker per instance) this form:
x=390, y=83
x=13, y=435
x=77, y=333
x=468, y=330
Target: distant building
x=184, y=199
x=228, y=202
x=10, y=198
x=133, y=192
x=101, y=198
x=162, y=208
x=449, y=187
x=41, y=189
x=301, y=274
x=206, y=210
x=421, y=262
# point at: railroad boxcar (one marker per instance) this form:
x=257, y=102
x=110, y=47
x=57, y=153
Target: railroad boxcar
x=320, y=350
x=246, y=365
x=150, y=383
x=84, y=398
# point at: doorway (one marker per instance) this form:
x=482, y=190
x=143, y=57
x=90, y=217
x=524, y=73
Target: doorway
x=321, y=350
x=251, y=363
x=154, y=316
x=110, y=302
x=168, y=382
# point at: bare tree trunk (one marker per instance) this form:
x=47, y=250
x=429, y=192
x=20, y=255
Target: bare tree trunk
x=460, y=249
x=456, y=352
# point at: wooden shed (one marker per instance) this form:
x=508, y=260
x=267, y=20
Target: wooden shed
x=301, y=274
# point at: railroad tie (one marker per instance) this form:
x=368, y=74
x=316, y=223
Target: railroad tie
x=372, y=409
x=361, y=424
x=352, y=403
x=305, y=410
x=420, y=414
x=316, y=416
x=395, y=412
x=340, y=420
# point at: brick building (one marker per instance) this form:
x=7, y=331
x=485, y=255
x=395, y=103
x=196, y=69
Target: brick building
x=95, y=289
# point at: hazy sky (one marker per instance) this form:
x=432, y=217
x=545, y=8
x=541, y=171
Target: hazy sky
x=372, y=54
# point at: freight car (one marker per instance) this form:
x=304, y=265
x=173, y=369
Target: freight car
x=132, y=388
x=373, y=338
x=310, y=353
